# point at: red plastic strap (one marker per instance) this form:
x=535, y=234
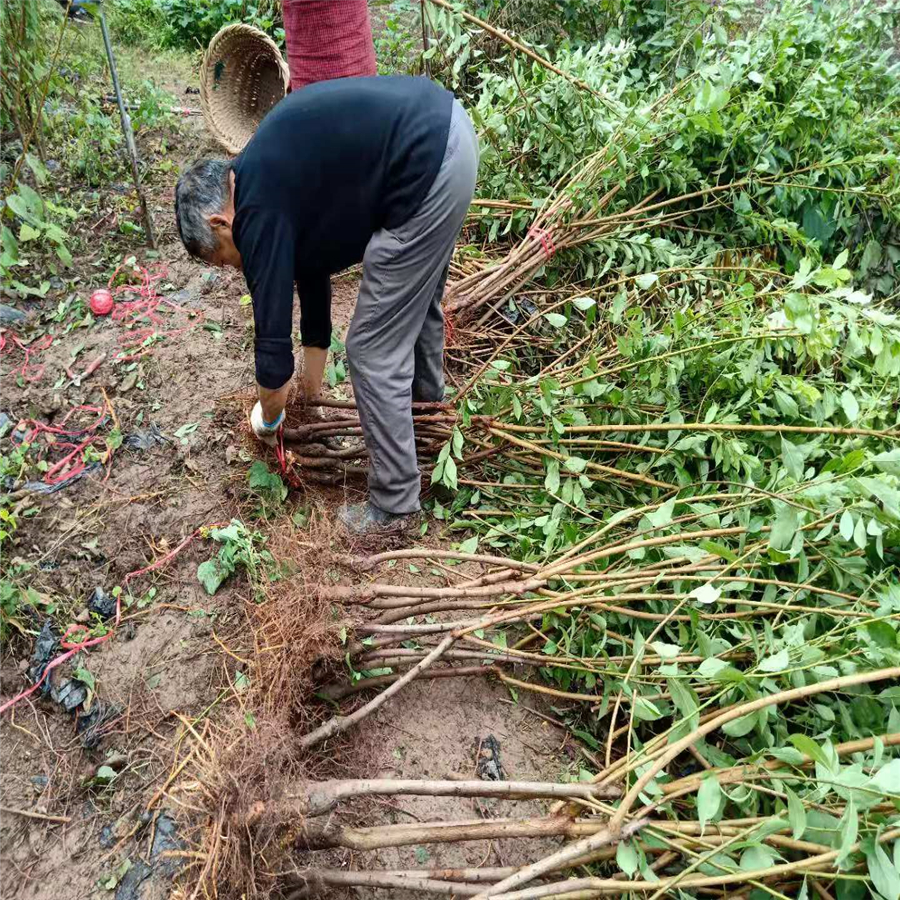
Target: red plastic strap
x=71, y=650
x=72, y=463
x=28, y=350
x=281, y=456
x=145, y=309
x=546, y=239
x=449, y=330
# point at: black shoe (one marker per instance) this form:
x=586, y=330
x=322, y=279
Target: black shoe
x=366, y=518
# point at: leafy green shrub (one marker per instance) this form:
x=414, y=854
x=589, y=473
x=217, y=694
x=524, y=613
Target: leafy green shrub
x=550, y=23
x=793, y=117
x=191, y=24
x=240, y=549
x=24, y=55
x=805, y=370
x=398, y=41
x=40, y=227
x=139, y=22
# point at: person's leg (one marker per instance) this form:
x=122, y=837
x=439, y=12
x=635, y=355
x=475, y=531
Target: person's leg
x=315, y=335
x=403, y=272
x=428, y=381
x=314, y=359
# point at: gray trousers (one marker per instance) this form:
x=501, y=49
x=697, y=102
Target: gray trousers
x=395, y=344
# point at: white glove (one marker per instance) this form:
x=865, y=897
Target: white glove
x=265, y=431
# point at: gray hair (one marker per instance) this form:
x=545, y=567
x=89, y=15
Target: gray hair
x=202, y=191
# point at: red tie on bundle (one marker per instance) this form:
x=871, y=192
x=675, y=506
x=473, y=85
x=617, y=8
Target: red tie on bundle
x=327, y=40
x=545, y=237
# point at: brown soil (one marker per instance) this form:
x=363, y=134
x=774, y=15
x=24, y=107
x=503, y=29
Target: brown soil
x=168, y=657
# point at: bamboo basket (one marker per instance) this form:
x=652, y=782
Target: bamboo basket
x=242, y=77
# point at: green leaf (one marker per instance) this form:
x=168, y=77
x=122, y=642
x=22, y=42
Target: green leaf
x=685, y=702
x=884, y=874
x=86, y=678
x=789, y=755
x=888, y=462
x=551, y=482
x=871, y=258
x=784, y=528
x=241, y=681
x=808, y=746
x=709, y=799
x=449, y=478
x=647, y=280
x=717, y=549
x=458, y=441
x=584, y=303
x=706, y=594
x=187, y=429
x=259, y=475
x=664, y=650
x=796, y=814
x=846, y=525
x=211, y=575
x=757, y=857
x=847, y=830
x=20, y=208
x=882, y=634
x=105, y=774
x=627, y=858
x=887, y=779
x=575, y=464
x=859, y=534
x=469, y=545
x=793, y=459
x=27, y=233
x=646, y=710
x=849, y=405
x=557, y=320
x=742, y=726
x=776, y=662
x=712, y=667
x=799, y=312
x=587, y=737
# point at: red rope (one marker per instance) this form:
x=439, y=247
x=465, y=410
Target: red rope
x=449, y=330
x=72, y=463
x=145, y=308
x=35, y=347
x=286, y=470
x=546, y=239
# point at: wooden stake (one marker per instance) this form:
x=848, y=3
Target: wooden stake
x=129, y=134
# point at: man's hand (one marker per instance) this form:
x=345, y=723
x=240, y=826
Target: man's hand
x=268, y=414
x=265, y=431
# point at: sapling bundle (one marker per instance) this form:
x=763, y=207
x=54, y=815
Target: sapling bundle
x=779, y=137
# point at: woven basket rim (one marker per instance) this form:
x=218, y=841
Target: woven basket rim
x=225, y=34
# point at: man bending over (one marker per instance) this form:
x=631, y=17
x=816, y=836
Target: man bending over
x=378, y=170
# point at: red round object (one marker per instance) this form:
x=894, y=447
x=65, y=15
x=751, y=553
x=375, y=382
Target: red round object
x=101, y=302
